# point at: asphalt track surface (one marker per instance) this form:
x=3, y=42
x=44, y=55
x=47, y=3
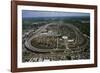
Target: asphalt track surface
x=35, y=34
